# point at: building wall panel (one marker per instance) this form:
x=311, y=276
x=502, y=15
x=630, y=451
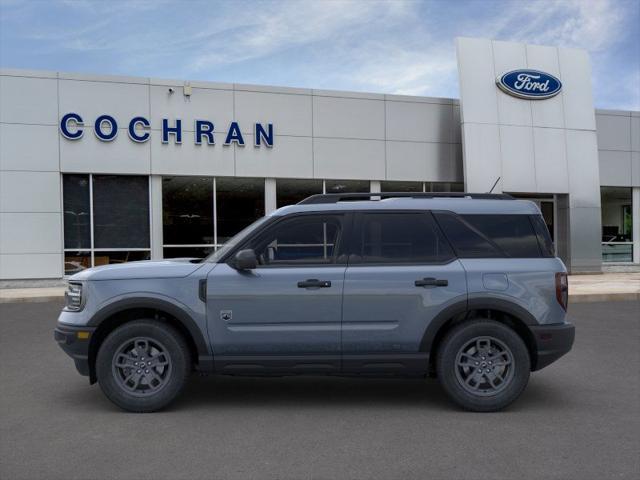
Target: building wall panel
x=29, y=147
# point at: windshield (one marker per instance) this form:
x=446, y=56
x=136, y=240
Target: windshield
x=235, y=240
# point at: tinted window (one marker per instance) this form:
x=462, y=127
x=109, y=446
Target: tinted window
x=303, y=240
x=544, y=237
x=187, y=211
x=292, y=191
x=467, y=241
x=401, y=238
x=514, y=234
x=77, y=217
x=239, y=202
x=121, y=211
x=347, y=186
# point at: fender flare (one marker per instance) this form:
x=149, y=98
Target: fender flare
x=465, y=306
x=154, y=303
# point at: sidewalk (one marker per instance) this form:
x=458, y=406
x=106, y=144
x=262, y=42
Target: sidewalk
x=582, y=288
x=604, y=288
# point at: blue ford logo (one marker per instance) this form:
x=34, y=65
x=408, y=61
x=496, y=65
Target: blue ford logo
x=529, y=84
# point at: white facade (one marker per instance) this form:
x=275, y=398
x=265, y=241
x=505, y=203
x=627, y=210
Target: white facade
x=558, y=147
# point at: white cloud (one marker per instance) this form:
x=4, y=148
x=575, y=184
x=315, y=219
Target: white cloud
x=291, y=25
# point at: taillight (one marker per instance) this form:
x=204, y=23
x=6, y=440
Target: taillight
x=562, y=289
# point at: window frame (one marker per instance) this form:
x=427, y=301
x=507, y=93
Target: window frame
x=354, y=260
x=342, y=245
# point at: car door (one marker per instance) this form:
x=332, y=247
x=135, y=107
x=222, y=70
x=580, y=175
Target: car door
x=285, y=315
x=401, y=274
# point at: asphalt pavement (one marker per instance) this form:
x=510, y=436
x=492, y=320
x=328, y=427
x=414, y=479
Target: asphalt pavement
x=579, y=418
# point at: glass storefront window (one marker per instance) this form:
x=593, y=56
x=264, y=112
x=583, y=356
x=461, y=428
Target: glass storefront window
x=76, y=261
x=617, y=224
x=187, y=211
x=77, y=214
x=444, y=187
x=292, y=191
x=101, y=257
x=347, y=186
x=239, y=202
x=401, y=186
x=184, y=252
x=106, y=220
x=120, y=211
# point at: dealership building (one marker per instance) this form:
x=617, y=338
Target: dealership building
x=99, y=170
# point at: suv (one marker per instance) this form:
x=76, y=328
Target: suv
x=465, y=287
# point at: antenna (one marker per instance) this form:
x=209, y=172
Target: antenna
x=494, y=185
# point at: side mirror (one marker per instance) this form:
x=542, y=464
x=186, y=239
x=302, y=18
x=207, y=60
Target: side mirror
x=245, y=260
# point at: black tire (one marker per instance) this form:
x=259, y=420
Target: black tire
x=460, y=357
x=161, y=384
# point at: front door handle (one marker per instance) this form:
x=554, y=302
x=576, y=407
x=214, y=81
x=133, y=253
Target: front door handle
x=431, y=282
x=314, y=283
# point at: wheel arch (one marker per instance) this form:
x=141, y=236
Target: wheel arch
x=503, y=311
x=120, y=312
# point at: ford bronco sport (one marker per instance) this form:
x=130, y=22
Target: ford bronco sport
x=465, y=287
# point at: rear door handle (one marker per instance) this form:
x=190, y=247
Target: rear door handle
x=314, y=283
x=431, y=282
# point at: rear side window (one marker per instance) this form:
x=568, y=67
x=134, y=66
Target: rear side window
x=467, y=241
x=544, y=238
x=490, y=236
x=401, y=238
x=514, y=234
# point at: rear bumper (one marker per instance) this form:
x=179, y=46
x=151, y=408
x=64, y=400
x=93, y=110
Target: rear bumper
x=74, y=345
x=552, y=342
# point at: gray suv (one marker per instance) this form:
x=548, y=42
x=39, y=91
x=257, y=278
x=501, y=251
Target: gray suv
x=465, y=287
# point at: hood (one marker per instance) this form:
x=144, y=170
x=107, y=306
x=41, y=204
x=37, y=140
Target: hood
x=174, y=268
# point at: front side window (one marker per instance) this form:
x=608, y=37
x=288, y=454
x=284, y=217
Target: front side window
x=305, y=240
x=401, y=238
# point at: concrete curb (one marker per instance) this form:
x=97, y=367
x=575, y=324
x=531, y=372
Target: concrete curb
x=604, y=297
x=32, y=299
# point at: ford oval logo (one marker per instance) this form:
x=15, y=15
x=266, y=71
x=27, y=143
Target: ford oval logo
x=529, y=84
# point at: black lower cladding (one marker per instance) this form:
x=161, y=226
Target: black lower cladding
x=552, y=342
x=76, y=348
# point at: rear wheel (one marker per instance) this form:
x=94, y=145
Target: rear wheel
x=483, y=365
x=143, y=365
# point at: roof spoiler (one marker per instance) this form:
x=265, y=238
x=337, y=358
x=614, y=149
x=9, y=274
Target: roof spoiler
x=338, y=197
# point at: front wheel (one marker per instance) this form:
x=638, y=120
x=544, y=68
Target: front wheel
x=483, y=365
x=143, y=365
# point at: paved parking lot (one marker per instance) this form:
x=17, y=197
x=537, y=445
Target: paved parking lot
x=579, y=418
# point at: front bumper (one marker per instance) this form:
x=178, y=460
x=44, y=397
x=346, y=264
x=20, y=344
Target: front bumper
x=75, y=343
x=552, y=342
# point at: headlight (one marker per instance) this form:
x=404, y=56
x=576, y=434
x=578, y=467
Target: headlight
x=73, y=297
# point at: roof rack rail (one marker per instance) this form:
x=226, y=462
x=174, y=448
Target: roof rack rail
x=337, y=197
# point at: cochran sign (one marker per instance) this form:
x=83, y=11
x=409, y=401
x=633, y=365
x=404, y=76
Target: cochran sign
x=105, y=128
x=529, y=84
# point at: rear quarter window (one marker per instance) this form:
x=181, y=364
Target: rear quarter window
x=491, y=235
x=513, y=234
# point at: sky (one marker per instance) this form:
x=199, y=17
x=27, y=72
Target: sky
x=403, y=47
